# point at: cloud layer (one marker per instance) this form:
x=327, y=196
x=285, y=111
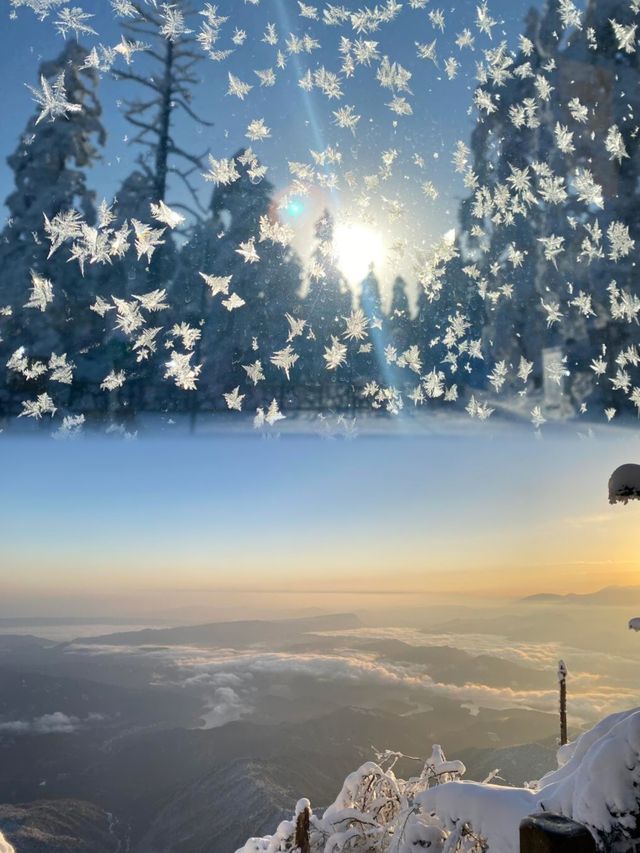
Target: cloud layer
x=230, y=682
x=56, y=723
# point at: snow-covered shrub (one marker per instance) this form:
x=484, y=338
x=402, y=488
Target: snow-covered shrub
x=597, y=783
x=374, y=811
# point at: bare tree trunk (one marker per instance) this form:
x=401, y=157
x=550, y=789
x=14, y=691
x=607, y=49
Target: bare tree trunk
x=162, y=151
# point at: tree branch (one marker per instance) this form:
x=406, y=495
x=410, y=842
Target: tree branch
x=127, y=75
x=193, y=115
x=184, y=177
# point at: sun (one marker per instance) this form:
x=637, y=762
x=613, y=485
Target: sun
x=358, y=248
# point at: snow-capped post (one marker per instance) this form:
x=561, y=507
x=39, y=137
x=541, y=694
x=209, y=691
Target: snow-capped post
x=562, y=681
x=624, y=484
x=303, y=819
x=552, y=833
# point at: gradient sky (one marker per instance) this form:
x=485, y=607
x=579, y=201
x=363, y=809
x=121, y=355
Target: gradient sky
x=162, y=519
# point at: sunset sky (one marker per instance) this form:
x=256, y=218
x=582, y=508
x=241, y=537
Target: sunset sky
x=163, y=522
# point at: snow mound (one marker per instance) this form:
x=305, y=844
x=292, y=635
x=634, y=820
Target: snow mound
x=595, y=784
x=493, y=812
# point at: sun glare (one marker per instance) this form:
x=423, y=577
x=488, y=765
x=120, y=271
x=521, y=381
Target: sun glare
x=358, y=247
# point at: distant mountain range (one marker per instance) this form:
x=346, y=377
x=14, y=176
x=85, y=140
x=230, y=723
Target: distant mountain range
x=234, y=634
x=611, y=596
x=194, y=790
x=134, y=771
x=230, y=802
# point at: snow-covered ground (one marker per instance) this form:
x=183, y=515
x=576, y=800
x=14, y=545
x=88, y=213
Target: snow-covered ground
x=595, y=783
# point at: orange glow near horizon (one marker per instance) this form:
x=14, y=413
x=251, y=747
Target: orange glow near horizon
x=342, y=522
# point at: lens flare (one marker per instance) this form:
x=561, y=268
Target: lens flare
x=294, y=208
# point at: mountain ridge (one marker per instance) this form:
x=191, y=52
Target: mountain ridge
x=612, y=595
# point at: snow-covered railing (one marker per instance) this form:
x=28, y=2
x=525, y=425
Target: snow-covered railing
x=552, y=833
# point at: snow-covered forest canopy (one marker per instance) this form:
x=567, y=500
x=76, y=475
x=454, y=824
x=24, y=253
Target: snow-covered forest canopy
x=218, y=280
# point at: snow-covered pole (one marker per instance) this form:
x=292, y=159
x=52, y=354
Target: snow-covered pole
x=303, y=820
x=562, y=681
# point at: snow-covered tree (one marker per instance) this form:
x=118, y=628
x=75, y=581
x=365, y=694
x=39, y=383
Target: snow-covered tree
x=49, y=167
x=156, y=91
x=50, y=162
x=375, y=811
x=400, y=314
x=238, y=278
x=328, y=300
x=548, y=228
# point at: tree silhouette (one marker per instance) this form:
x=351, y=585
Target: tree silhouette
x=327, y=301
x=167, y=91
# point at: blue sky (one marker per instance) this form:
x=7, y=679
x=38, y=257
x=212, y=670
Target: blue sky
x=304, y=120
